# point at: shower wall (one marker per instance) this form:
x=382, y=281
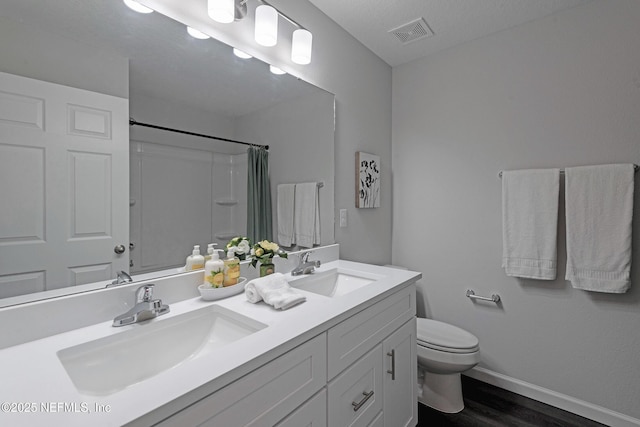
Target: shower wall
x=184, y=190
x=181, y=197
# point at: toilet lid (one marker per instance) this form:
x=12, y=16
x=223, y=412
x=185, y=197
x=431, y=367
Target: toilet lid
x=444, y=337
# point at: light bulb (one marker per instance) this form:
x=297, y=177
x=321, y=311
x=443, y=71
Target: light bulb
x=241, y=54
x=276, y=70
x=134, y=5
x=301, y=46
x=197, y=34
x=266, y=32
x=222, y=11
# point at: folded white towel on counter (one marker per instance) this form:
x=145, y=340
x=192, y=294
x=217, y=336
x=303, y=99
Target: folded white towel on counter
x=274, y=290
x=306, y=220
x=530, y=223
x=285, y=205
x=599, y=211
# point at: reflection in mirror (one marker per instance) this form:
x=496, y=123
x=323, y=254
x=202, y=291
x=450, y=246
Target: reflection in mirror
x=175, y=191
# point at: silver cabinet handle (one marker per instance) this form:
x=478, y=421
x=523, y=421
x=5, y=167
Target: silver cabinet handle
x=392, y=354
x=119, y=249
x=358, y=405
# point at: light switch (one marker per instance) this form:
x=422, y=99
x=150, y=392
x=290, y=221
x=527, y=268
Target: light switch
x=343, y=218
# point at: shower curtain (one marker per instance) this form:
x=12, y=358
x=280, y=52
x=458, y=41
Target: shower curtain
x=258, y=195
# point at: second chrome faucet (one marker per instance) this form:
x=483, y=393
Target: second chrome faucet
x=305, y=266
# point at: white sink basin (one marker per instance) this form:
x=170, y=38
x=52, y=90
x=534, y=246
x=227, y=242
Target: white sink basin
x=334, y=282
x=113, y=363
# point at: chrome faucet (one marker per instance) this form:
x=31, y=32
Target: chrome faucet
x=146, y=308
x=305, y=266
x=121, y=277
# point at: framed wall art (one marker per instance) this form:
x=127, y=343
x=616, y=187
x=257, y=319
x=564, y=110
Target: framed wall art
x=367, y=180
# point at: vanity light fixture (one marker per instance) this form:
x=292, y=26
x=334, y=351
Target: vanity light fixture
x=197, y=34
x=241, y=54
x=301, y=46
x=266, y=30
x=222, y=11
x=266, y=25
x=134, y=5
x=276, y=70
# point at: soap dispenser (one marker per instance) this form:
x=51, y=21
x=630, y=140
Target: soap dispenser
x=195, y=261
x=210, y=251
x=214, y=270
x=231, y=269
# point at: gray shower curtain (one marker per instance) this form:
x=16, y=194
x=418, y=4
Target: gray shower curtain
x=258, y=195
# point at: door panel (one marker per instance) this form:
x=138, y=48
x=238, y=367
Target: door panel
x=64, y=185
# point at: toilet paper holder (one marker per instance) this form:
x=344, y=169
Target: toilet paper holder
x=494, y=297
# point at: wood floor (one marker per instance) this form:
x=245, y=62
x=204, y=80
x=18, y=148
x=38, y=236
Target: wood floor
x=486, y=405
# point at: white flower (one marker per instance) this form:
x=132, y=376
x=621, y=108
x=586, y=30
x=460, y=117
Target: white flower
x=269, y=246
x=244, y=247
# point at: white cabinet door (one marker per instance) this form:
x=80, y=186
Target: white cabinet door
x=400, y=376
x=64, y=185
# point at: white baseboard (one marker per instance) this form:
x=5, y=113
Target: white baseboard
x=550, y=397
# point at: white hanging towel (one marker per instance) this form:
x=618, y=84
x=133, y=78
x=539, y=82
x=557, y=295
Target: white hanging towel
x=306, y=220
x=599, y=209
x=530, y=223
x=285, y=206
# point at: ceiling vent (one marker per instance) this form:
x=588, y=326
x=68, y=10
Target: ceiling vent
x=413, y=31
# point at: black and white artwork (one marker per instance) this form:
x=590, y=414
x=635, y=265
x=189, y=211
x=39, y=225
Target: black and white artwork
x=367, y=180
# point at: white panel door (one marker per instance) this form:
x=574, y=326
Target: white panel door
x=64, y=185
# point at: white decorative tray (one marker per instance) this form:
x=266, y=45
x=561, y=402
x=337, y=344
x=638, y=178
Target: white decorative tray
x=211, y=294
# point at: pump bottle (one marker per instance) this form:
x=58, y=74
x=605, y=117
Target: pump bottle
x=195, y=261
x=214, y=270
x=231, y=269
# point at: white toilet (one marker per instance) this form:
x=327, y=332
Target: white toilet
x=444, y=351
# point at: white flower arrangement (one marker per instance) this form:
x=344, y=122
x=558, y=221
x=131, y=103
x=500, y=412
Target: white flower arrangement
x=264, y=251
x=240, y=246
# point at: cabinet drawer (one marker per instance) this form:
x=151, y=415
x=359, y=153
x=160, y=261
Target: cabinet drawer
x=378, y=422
x=352, y=338
x=312, y=414
x=262, y=397
x=355, y=397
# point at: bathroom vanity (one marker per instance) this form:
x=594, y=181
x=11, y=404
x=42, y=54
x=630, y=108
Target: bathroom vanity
x=346, y=356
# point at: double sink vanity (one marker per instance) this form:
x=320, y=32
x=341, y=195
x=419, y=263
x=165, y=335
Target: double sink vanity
x=346, y=356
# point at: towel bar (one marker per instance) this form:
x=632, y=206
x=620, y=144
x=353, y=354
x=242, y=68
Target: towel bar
x=635, y=169
x=494, y=298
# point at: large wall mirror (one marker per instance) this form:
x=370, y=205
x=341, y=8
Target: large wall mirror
x=183, y=190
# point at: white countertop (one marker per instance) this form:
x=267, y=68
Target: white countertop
x=36, y=390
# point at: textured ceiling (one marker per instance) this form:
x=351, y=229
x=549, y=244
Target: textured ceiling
x=452, y=21
x=168, y=64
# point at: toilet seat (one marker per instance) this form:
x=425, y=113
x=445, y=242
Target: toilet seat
x=444, y=337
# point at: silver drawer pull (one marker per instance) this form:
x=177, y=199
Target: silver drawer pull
x=358, y=405
x=392, y=371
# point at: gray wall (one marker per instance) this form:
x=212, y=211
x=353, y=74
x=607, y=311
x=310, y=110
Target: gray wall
x=44, y=56
x=557, y=92
x=297, y=132
x=361, y=83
